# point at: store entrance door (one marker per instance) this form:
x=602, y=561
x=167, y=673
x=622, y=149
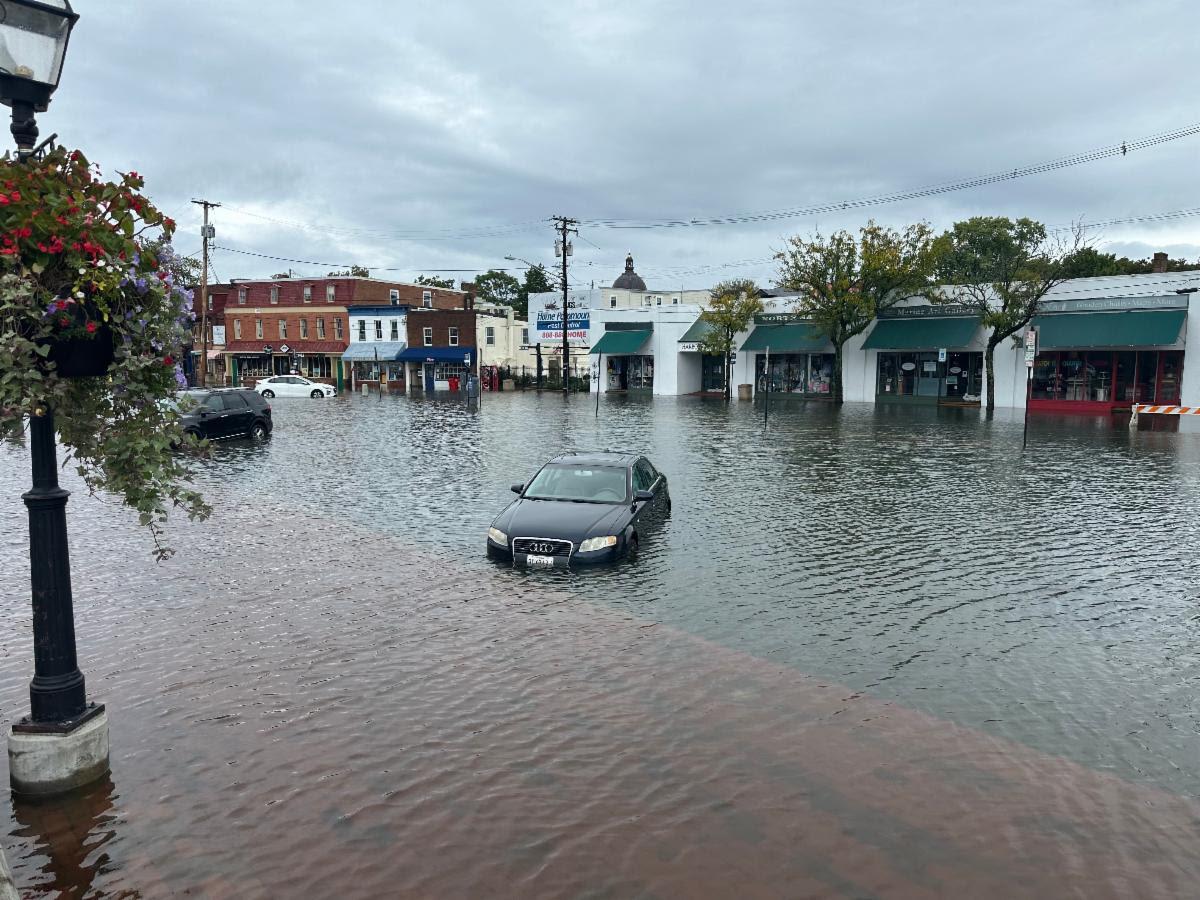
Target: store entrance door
x=712, y=374
x=429, y=378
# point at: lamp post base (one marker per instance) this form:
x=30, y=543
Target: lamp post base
x=44, y=761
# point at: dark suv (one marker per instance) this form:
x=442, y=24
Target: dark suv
x=225, y=413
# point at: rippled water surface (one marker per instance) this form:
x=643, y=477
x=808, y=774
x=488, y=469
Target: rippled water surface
x=874, y=652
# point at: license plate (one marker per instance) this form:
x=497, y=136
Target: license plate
x=539, y=562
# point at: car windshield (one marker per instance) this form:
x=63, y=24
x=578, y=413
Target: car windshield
x=582, y=484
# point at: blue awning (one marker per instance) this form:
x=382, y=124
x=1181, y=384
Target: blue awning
x=365, y=350
x=437, y=354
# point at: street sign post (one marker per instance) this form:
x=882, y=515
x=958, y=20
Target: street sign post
x=1031, y=348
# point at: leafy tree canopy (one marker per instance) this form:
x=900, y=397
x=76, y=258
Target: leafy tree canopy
x=497, y=287
x=352, y=272
x=434, y=281
x=733, y=306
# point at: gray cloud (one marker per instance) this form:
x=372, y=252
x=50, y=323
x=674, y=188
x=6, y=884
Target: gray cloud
x=389, y=128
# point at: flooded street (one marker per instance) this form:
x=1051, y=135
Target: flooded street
x=874, y=652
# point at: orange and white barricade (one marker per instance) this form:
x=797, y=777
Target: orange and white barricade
x=1161, y=410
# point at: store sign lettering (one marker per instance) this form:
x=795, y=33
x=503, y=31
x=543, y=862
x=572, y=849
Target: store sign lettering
x=1103, y=303
x=932, y=312
x=689, y=348
x=776, y=318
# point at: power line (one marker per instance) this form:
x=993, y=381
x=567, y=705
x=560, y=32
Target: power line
x=341, y=265
x=504, y=229
x=1122, y=149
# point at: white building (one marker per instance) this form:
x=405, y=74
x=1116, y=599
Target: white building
x=378, y=335
x=503, y=339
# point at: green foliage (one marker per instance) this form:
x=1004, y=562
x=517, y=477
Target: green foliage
x=844, y=281
x=352, y=272
x=497, y=287
x=434, y=281
x=537, y=281
x=1088, y=262
x=73, y=265
x=733, y=306
x=1003, y=268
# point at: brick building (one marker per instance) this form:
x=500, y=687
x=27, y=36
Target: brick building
x=278, y=325
x=441, y=348
x=218, y=296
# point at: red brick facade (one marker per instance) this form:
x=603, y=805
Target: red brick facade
x=340, y=291
x=441, y=321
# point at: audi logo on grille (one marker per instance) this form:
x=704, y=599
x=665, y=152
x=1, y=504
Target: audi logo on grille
x=542, y=547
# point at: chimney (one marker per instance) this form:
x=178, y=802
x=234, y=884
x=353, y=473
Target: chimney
x=1159, y=263
x=468, y=287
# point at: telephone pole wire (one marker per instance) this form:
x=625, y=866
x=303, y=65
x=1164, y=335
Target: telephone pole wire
x=207, y=233
x=565, y=226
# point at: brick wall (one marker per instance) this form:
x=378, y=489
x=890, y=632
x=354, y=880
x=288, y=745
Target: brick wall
x=271, y=318
x=346, y=292
x=441, y=321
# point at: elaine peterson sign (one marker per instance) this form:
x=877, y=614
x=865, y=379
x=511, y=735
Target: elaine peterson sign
x=546, y=321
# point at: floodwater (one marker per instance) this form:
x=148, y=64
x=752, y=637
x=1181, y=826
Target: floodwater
x=874, y=653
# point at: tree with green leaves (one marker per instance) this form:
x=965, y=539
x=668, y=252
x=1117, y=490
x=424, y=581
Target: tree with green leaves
x=537, y=281
x=1088, y=262
x=843, y=281
x=434, y=281
x=733, y=306
x=498, y=287
x=1003, y=268
x=352, y=272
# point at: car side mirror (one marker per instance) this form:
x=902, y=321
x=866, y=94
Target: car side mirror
x=517, y=488
x=642, y=496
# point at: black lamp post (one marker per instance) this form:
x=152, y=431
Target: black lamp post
x=33, y=43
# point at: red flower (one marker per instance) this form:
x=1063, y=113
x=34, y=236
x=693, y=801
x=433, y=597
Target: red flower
x=61, y=304
x=168, y=361
x=3, y=200
x=64, y=321
x=91, y=327
x=169, y=223
x=16, y=196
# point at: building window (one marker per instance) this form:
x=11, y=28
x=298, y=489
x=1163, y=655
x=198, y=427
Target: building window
x=317, y=367
x=320, y=329
x=427, y=336
x=241, y=296
x=304, y=329
x=308, y=293
x=658, y=301
x=395, y=331
x=274, y=293
x=612, y=302
x=379, y=329
x=362, y=329
x=237, y=329
x=330, y=293
x=394, y=296
x=337, y=328
x=427, y=299
x=283, y=329
x=525, y=336
x=674, y=301
x=453, y=336
x=258, y=328
x=489, y=336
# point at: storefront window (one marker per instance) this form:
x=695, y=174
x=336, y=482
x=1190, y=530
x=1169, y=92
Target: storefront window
x=795, y=373
x=922, y=374
x=1171, y=377
x=254, y=366
x=317, y=367
x=1107, y=376
x=820, y=373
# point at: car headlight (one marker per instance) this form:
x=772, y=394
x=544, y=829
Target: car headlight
x=598, y=543
x=498, y=536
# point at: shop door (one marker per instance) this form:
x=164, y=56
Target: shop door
x=712, y=377
x=429, y=378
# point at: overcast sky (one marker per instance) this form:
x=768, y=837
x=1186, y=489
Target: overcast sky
x=443, y=134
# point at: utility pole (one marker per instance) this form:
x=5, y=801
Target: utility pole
x=565, y=226
x=206, y=234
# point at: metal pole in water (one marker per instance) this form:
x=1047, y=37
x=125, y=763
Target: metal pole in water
x=767, y=385
x=599, y=369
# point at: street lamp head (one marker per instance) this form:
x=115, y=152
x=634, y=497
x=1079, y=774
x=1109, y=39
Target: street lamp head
x=33, y=44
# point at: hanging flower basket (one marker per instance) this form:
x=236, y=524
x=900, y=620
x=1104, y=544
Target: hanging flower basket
x=92, y=325
x=83, y=357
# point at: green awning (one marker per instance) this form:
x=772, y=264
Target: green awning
x=1130, y=328
x=698, y=332
x=620, y=343
x=795, y=337
x=922, y=334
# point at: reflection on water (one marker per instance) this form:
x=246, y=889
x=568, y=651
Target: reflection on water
x=874, y=650
x=67, y=839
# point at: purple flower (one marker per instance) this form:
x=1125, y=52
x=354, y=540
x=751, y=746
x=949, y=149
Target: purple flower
x=180, y=378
